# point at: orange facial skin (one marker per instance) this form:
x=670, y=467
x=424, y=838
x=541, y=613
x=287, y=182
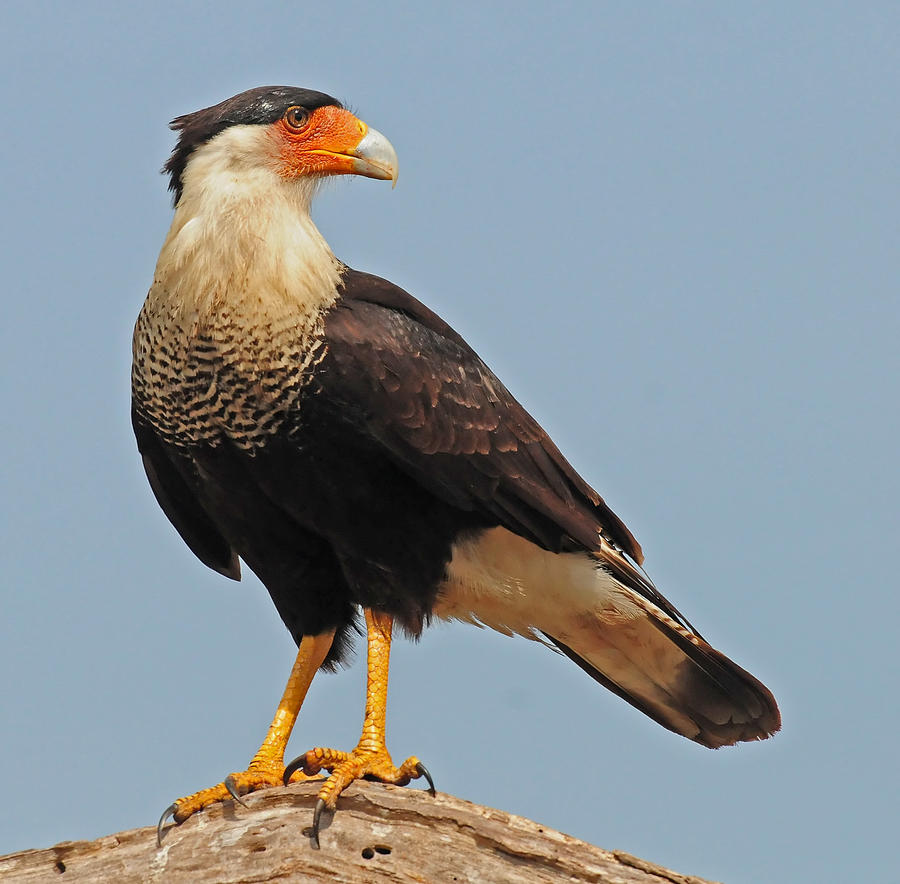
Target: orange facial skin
x=323, y=146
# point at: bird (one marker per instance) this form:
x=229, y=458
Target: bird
x=327, y=429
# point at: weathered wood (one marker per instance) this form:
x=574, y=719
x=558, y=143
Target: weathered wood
x=381, y=833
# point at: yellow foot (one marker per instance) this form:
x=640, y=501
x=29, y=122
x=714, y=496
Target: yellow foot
x=257, y=776
x=345, y=767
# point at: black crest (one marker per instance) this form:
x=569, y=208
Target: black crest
x=259, y=106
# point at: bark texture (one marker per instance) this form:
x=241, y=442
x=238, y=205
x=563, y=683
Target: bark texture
x=379, y=834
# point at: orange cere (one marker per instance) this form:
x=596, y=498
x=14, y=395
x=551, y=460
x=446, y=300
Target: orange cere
x=322, y=145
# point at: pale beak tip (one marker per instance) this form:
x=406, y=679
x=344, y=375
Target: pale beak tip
x=375, y=157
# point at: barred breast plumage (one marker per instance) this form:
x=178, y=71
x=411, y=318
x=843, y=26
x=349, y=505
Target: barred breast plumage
x=230, y=374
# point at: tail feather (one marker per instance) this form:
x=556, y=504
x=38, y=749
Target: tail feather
x=682, y=683
x=606, y=616
x=665, y=668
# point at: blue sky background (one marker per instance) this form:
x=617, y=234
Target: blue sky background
x=671, y=229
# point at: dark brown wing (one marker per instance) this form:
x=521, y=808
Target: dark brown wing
x=407, y=379
x=181, y=506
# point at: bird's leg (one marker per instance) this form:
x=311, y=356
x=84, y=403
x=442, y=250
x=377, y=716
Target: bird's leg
x=370, y=758
x=267, y=767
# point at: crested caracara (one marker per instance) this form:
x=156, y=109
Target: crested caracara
x=328, y=429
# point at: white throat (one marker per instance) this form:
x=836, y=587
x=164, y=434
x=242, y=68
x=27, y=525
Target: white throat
x=242, y=235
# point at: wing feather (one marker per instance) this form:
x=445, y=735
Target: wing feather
x=413, y=383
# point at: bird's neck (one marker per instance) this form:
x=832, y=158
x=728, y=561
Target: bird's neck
x=246, y=242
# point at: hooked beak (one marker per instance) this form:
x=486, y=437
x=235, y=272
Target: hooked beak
x=375, y=157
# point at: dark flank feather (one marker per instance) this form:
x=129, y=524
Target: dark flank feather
x=180, y=503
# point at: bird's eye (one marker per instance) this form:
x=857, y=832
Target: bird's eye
x=296, y=118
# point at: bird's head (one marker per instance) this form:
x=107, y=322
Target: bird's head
x=277, y=134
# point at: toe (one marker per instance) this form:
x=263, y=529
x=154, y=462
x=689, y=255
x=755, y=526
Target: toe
x=233, y=787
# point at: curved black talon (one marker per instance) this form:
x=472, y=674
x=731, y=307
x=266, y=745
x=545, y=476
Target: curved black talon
x=293, y=767
x=231, y=786
x=423, y=772
x=317, y=816
x=169, y=811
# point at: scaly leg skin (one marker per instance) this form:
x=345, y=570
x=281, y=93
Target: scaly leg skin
x=370, y=759
x=267, y=767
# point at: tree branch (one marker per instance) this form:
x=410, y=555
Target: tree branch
x=380, y=833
